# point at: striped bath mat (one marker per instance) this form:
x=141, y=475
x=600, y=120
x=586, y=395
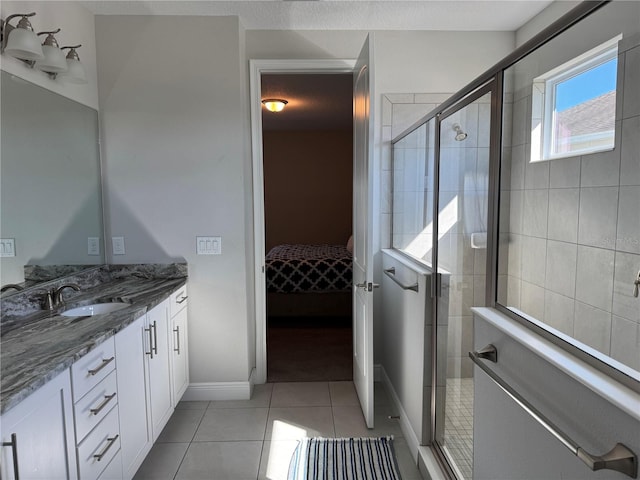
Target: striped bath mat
x=344, y=459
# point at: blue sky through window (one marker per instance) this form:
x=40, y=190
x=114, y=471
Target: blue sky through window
x=587, y=85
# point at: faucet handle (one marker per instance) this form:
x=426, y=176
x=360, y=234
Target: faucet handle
x=46, y=299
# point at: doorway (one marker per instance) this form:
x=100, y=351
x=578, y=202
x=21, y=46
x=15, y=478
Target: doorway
x=308, y=189
x=266, y=141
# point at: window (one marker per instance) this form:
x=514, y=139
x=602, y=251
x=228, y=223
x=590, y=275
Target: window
x=574, y=105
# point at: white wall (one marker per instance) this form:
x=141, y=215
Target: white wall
x=77, y=25
x=177, y=165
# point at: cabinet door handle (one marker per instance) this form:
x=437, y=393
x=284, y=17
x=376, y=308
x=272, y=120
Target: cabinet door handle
x=111, y=441
x=177, y=332
x=105, y=362
x=14, y=453
x=182, y=300
x=107, y=399
x=150, y=352
x=155, y=337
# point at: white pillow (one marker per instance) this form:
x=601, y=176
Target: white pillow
x=350, y=244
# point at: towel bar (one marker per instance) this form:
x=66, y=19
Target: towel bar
x=391, y=273
x=619, y=458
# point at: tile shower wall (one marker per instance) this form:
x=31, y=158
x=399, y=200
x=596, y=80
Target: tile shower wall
x=572, y=227
x=399, y=112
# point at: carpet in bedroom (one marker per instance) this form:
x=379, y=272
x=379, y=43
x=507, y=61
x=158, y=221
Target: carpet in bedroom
x=309, y=349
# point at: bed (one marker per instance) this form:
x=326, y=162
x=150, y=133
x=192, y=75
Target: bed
x=309, y=280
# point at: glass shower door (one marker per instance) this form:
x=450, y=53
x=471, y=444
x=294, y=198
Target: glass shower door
x=463, y=183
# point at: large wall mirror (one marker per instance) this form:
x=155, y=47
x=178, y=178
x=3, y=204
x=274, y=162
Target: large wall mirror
x=51, y=196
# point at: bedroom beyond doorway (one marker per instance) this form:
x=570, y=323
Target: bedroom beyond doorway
x=308, y=197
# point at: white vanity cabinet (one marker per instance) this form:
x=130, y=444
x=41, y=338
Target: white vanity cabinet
x=179, y=351
x=146, y=353
x=98, y=419
x=135, y=425
x=38, y=434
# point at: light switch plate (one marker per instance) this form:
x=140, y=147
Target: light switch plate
x=7, y=247
x=93, y=246
x=209, y=245
x=117, y=244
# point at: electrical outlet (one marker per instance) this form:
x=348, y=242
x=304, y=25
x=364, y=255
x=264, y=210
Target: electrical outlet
x=209, y=245
x=93, y=246
x=7, y=247
x=117, y=244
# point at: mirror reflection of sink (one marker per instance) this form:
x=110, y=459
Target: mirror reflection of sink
x=95, y=309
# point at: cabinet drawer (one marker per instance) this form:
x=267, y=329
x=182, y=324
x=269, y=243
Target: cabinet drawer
x=178, y=300
x=99, y=447
x=95, y=405
x=91, y=369
x=114, y=470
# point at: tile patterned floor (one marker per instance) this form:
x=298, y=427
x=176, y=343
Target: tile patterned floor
x=458, y=427
x=254, y=439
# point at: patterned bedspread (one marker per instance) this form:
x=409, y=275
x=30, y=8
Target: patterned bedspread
x=308, y=269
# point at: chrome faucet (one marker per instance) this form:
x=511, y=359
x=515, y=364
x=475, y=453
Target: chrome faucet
x=56, y=293
x=53, y=298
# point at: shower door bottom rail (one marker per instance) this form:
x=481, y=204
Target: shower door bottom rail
x=620, y=458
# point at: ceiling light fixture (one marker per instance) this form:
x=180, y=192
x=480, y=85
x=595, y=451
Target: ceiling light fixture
x=274, y=104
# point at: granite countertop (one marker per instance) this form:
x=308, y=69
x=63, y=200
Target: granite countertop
x=44, y=344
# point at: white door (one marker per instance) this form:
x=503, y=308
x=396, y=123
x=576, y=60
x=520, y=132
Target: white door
x=363, y=232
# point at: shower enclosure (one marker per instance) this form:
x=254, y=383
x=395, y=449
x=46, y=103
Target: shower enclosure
x=440, y=206
x=519, y=199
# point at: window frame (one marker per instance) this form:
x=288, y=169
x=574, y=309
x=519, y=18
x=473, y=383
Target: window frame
x=543, y=99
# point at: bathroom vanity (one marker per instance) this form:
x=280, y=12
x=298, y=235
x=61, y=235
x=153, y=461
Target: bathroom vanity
x=84, y=397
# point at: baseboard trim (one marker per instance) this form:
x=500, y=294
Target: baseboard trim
x=409, y=435
x=422, y=455
x=377, y=373
x=218, y=391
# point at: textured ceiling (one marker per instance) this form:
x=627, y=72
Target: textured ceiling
x=316, y=101
x=477, y=15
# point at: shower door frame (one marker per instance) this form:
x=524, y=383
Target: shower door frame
x=494, y=87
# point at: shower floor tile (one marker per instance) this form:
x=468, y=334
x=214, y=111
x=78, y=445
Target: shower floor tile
x=458, y=427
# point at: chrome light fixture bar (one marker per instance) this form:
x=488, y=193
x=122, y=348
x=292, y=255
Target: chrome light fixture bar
x=22, y=43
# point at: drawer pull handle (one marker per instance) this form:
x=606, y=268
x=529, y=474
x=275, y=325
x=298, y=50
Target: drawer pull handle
x=177, y=332
x=150, y=352
x=155, y=337
x=182, y=300
x=111, y=441
x=14, y=452
x=107, y=399
x=105, y=362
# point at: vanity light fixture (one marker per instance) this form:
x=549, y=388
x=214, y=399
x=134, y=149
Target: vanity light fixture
x=20, y=41
x=54, y=60
x=75, y=72
x=274, y=104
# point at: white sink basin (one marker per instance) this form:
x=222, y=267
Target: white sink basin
x=95, y=309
